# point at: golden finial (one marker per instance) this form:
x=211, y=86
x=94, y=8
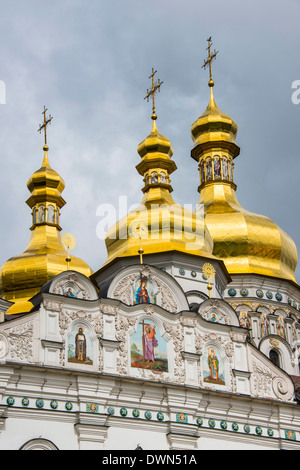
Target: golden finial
x=44, y=126
x=209, y=273
x=152, y=91
x=209, y=60
x=68, y=242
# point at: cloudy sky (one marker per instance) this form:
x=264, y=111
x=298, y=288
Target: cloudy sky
x=89, y=63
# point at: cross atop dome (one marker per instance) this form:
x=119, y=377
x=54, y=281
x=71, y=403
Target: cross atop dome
x=152, y=91
x=44, y=125
x=209, y=60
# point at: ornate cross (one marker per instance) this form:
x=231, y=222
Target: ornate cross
x=209, y=60
x=45, y=124
x=152, y=91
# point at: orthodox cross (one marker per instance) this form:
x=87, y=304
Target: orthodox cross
x=209, y=60
x=45, y=124
x=152, y=91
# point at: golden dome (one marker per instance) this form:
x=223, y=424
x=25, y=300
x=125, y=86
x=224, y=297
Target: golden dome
x=23, y=276
x=158, y=224
x=214, y=126
x=246, y=242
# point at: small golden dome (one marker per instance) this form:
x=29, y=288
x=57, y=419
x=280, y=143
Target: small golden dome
x=22, y=276
x=214, y=126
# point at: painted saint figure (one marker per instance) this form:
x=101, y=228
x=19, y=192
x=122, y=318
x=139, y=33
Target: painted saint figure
x=80, y=345
x=213, y=364
x=150, y=342
x=142, y=296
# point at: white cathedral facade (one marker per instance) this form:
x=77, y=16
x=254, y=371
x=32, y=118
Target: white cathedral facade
x=154, y=354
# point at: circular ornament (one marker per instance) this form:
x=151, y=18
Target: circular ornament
x=211, y=423
x=135, y=413
x=258, y=430
x=193, y=274
x=259, y=293
x=289, y=301
x=148, y=415
x=278, y=297
x=39, y=403
x=160, y=416
x=199, y=422
x=69, y=406
x=247, y=428
x=10, y=401
x=110, y=410
x=235, y=427
x=270, y=432
x=54, y=404
x=269, y=295
x=163, y=269
x=244, y=292
x=25, y=401
x=232, y=292
x=123, y=412
x=223, y=425
x=181, y=272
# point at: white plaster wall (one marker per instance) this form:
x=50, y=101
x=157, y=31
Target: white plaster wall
x=128, y=439
x=18, y=431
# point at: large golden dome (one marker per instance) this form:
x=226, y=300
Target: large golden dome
x=158, y=224
x=23, y=276
x=246, y=242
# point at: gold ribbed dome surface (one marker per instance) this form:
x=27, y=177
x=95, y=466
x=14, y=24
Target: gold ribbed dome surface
x=246, y=242
x=22, y=276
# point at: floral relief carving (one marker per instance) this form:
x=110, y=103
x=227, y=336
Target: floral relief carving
x=123, y=324
x=176, y=333
x=21, y=342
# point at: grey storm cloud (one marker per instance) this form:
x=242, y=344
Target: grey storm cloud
x=89, y=63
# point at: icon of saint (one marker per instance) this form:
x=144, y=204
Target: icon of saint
x=80, y=345
x=150, y=342
x=142, y=296
x=213, y=364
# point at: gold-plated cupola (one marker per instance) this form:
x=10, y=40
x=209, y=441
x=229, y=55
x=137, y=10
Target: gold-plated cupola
x=246, y=242
x=158, y=224
x=23, y=276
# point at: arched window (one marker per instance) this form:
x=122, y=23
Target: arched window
x=51, y=214
x=274, y=357
x=39, y=444
x=154, y=177
x=208, y=169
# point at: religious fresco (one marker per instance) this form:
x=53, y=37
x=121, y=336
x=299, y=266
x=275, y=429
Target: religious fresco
x=217, y=167
x=144, y=292
x=244, y=319
x=41, y=214
x=208, y=169
x=280, y=326
x=215, y=317
x=148, y=349
x=80, y=350
x=225, y=168
x=51, y=214
x=264, y=325
x=70, y=292
x=213, y=366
